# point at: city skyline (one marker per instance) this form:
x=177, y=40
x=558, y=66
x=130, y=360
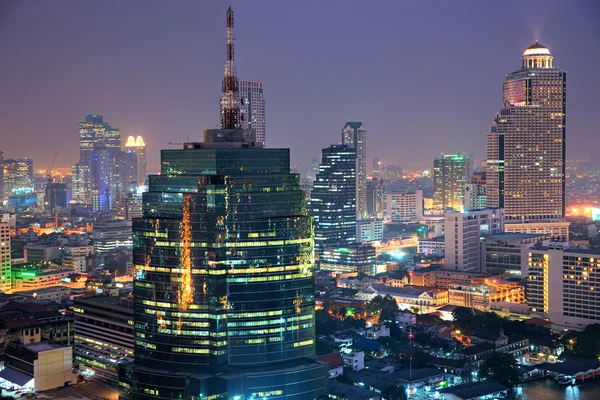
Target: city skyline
x=476, y=65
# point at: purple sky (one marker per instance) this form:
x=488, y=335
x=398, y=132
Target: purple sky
x=424, y=77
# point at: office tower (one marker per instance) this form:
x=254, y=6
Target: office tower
x=137, y=147
x=77, y=258
x=463, y=232
x=18, y=176
x=100, y=154
x=224, y=287
x=354, y=135
x=81, y=183
x=5, y=257
x=475, y=192
x=252, y=107
x=374, y=196
x=94, y=130
x=103, y=335
x=55, y=197
x=1, y=177
x=101, y=173
x=333, y=198
x=450, y=173
x=562, y=285
x=391, y=172
x=403, y=207
x=526, y=145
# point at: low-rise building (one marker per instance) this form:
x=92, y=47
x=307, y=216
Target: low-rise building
x=335, y=363
x=77, y=258
x=354, y=360
x=432, y=246
x=38, y=366
x=52, y=294
x=377, y=331
x=41, y=253
x=103, y=335
x=406, y=319
x=27, y=277
x=485, y=342
x=507, y=252
x=408, y=297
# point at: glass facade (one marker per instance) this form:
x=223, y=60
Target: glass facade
x=224, y=285
x=333, y=199
x=450, y=174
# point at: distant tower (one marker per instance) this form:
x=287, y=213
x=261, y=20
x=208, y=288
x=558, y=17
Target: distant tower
x=252, y=103
x=137, y=147
x=354, y=135
x=230, y=104
x=526, y=143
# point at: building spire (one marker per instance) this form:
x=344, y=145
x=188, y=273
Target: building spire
x=230, y=107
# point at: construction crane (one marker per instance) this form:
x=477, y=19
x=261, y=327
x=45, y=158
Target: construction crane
x=49, y=174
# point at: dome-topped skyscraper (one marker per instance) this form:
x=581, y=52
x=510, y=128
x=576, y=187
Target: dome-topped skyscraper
x=537, y=56
x=526, y=147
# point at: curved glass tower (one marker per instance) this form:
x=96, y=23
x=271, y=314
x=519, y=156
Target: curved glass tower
x=224, y=288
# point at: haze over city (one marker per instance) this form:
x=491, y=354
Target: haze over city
x=426, y=70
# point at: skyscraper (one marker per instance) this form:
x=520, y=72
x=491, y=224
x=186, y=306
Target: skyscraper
x=526, y=144
x=450, y=173
x=224, y=285
x=1, y=176
x=354, y=135
x=5, y=256
x=374, y=195
x=100, y=159
x=252, y=103
x=333, y=199
x=18, y=175
x=137, y=147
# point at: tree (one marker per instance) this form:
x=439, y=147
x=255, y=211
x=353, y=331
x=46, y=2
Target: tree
x=394, y=392
x=500, y=367
x=385, y=306
x=587, y=343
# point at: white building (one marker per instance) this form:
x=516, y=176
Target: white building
x=557, y=230
x=563, y=285
x=463, y=234
x=355, y=360
x=77, y=258
x=403, y=207
x=432, y=246
x=252, y=107
x=406, y=319
x=369, y=230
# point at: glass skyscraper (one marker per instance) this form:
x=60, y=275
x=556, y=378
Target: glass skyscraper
x=224, y=284
x=354, y=135
x=333, y=198
x=526, y=145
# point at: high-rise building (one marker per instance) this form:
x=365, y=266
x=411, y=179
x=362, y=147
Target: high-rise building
x=94, y=130
x=562, y=285
x=463, y=232
x=375, y=193
x=360, y=258
x=354, y=135
x=5, y=257
x=450, y=173
x=403, y=207
x=137, y=147
x=55, y=197
x=1, y=176
x=224, y=276
x=252, y=104
x=18, y=176
x=475, y=192
x=97, y=178
x=333, y=199
x=526, y=144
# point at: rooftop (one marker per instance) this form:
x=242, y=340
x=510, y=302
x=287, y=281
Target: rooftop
x=515, y=236
x=475, y=390
x=536, y=49
x=334, y=360
x=44, y=346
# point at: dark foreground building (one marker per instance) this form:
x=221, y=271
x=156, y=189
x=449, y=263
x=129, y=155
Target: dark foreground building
x=224, y=288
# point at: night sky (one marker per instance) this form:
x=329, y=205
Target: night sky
x=424, y=77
